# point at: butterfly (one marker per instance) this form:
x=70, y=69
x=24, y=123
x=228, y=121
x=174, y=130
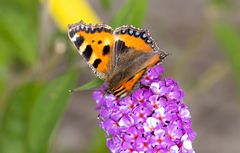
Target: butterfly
x=118, y=56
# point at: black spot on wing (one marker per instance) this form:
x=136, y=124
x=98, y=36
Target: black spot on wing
x=148, y=41
x=78, y=42
x=146, y=38
x=144, y=35
x=71, y=33
x=130, y=31
x=88, y=52
x=96, y=62
x=87, y=29
x=137, y=33
x=92, y=30
x=107, y=30
x=99, y=29
x=123, y=31
x=120, y=47
x=99, y=42
x=106, y=50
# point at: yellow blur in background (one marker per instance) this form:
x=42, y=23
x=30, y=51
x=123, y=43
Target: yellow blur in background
x=65, y=12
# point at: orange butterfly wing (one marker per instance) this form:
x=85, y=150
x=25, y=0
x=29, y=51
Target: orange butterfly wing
x=136, y=38
x=94, y=43
x=129, y=38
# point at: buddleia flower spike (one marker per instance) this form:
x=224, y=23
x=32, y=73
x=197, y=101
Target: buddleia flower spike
x=151, y=119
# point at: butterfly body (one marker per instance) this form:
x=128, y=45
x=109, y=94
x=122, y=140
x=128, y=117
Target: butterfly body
x=120, y=57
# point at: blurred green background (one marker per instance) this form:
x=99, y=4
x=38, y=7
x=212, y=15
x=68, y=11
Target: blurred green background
x=38, y=65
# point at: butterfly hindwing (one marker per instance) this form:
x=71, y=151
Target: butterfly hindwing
x=129, y=69
x=94, y=43
x=128, y=85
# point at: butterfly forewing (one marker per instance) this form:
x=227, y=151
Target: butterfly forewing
x=94, y=43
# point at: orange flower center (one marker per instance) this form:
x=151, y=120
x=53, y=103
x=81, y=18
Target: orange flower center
x=160, y=118
x=135, y=137
x=131, y=105
x=159, y=140
x=145, y=144
x=141, y=115
x=155, y=105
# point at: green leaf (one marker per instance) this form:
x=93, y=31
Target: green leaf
x=229, y=39
x=5, y=53
x=15, y=123
x=106, y=3
x=18, y=28
x=225, y=4
x=131, y=13
x=47, y=111
x=92, y=84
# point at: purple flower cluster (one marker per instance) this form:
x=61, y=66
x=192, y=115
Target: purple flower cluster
x=153, y=119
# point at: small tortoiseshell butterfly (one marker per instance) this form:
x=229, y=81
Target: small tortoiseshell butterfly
x=120, y=57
